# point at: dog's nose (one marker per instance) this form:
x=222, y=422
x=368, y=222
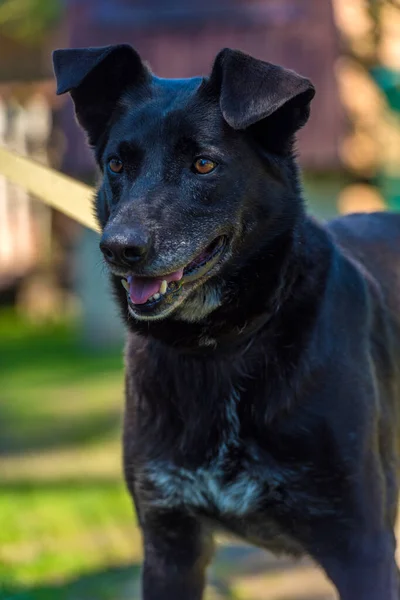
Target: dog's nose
x=126, y=248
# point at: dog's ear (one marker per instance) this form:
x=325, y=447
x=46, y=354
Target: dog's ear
x=96, y=79
x=251, y=90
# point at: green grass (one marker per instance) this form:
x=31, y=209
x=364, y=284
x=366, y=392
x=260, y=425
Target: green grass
x=51, y=531
x=64, y=511
x=100, y=585
x=54, y=393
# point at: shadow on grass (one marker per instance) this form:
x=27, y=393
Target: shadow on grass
x=250, y=560
x=120, y=583
x=39, y=433
x=123, y=583
x=50, y=347
x=66, y=484
x=65, y=357
x=44, y=369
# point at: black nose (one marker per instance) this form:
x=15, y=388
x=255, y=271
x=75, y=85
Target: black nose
x=124, y=247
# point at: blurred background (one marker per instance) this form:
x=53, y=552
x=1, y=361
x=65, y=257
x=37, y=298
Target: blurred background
x=67, y=528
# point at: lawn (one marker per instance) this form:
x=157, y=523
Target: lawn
x=64, y=511
x=67, y=527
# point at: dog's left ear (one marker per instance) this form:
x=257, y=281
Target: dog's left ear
x=96, y=78
x=251, y=90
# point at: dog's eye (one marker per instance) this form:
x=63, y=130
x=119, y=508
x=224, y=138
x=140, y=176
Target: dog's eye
x=115, y=165
x=203, y=166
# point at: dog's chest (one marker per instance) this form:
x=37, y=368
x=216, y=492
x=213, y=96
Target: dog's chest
x=215, y=487
x=228, y=483
x=232, y=482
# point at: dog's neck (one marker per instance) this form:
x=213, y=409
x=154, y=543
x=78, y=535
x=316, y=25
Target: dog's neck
x=285, y=271
x=261, y=336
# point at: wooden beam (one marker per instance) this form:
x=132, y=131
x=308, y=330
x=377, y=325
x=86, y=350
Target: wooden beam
x=59, y=191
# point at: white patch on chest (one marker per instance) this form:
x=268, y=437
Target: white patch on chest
x=204, y=488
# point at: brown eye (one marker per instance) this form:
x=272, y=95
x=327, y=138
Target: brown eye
x=115, y=165
x=204, y=166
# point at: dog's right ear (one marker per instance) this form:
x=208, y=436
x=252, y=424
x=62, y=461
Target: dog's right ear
x=271, y=101
x=96, y=79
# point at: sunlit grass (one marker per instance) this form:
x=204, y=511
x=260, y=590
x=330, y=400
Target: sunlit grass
x=64, y=509
x=57, y=530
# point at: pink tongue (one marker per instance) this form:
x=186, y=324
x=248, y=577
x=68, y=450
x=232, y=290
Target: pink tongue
x=142, y=288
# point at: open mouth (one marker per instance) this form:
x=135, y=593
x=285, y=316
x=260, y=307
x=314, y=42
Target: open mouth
x=150, y=295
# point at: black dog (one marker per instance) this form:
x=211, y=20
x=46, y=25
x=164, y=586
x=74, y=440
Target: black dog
x=262, y=364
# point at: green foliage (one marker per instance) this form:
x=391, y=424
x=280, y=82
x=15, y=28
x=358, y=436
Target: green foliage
x=28, y=20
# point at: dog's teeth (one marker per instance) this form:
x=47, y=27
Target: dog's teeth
x=125, y=284
x=163, y=287
x=156, y=296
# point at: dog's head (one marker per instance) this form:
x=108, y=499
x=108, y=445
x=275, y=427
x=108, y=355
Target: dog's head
x=196, y=173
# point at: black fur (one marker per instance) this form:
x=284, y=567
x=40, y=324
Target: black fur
x=274, y=414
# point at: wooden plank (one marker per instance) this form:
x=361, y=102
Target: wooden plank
x=59, y=191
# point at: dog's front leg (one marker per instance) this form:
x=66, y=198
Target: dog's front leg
x=177, y=551
x=369, y=573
